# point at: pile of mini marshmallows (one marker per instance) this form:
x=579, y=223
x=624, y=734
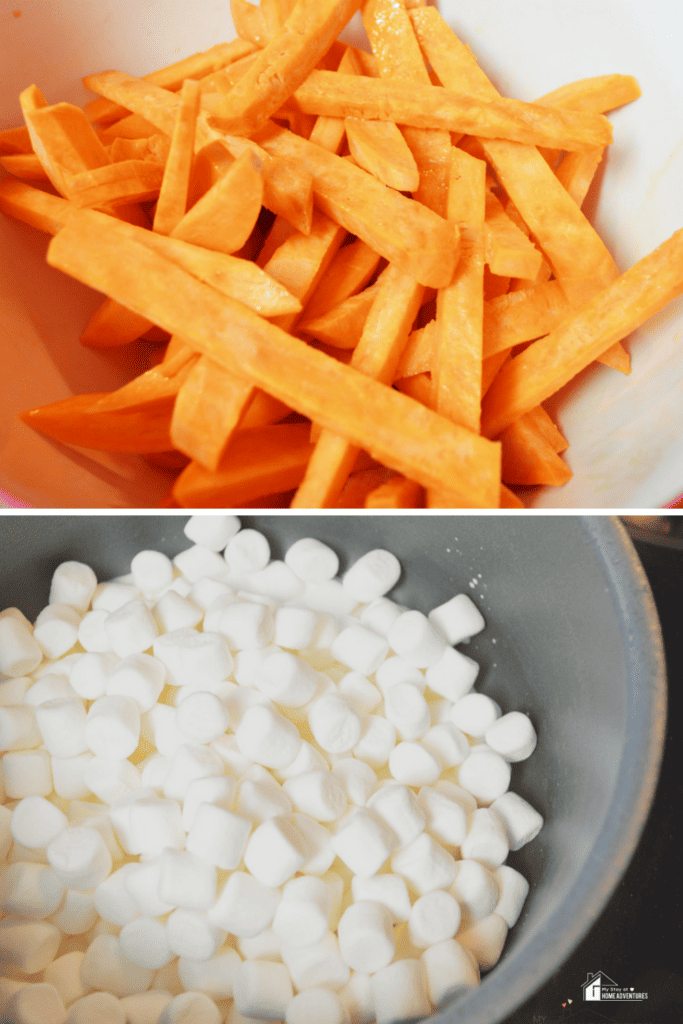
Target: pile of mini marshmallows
x=241, y=789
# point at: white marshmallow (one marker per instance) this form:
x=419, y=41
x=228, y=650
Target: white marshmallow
x=190, y=761
x=154, y=823
x=372, y=575
x=214, y=977
x=132, y=628
x=62, y=725
x=264, y=946
x=377, y=741
x=113, y=595
x=79, y=857
x=102, y=1007
x=112, y=727
x=329, y=596
x=12, y=690
x=144, y=942
x=407, y=710
x=316, y=1006
x=521, y=821
x=360, y=649
x=364, y=842
x=380, y=615
x=238, y=699
x=335, y=727
x=166, y=980
x=485, y=840
x=318, y=844
x=18, y=727
x=35, y=822
x=319, y=794
x=400, y=992
x=303, y=913
x=90, y=674
x=366, y=936
x=485, y=938
x=512, y=736
x=434, y=917
x=295, y=628
x=214, y=611
x=263, y=989
x=218, y=836
x=448, y=744
x=152, y=571
x=191, y=1006
x=484, y=774
x=319, y=965
x=76, y=914
x=30, y=890
x=398, y=808
x=19, y=652
x=417, y=639
x=194, y=658
x=142, y=885
x=28, y=945
x=276, y=850
x=276, y=581
x=474, y=714
x=186, y=880
x=191, y=934
x=453, y=675
x=425, y=864
x=33, y=1004
x=65, y=974
x=440, y=710
x=145, y=1007
x=202, y=717
x=361, y=695
x=160, y=726
x=106, y=967
x=246, y=625
x=230, y=755
x=173, y=611
x=413, y=764
x=213, y=789
x=248, y=551
x=397, y=670
x=459, y=619
x=27, y=773
x=514, y=889
x=446, y=817
x=307, y=760
x=110, y=780
x=245, y=907
x=357, y=778
x=387, y=889
x=267, y=737
x=213, y=532
x=5, y=830
x=198, y=561
x=450, y=970
x=260, y=799
x=56, y=629
x=312, y=561
x=205, y=591
x=140, y=677
x=286, y=679
x=92, y=631
x=356, y=997
x=51, y=686
x=73, y=583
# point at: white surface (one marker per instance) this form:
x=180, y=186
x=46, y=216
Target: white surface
x=626, y=434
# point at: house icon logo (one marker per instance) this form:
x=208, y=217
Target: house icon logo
x=600, y=988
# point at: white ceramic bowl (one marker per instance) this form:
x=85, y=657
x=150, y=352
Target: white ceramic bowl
x=626, y=434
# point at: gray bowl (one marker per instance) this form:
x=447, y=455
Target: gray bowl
x=572, y=639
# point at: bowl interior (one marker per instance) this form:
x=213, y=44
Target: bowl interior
x=571, y=639
x=625, y=433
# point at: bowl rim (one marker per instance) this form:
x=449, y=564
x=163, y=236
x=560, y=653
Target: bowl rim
x=510, y=984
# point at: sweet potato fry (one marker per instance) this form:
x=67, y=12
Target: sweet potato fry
x=396, y=493
x=349, y=272
x=33, y=206
x=509, y=253
x=15, y=142
x=128, y=181
x=380, y=149
x=523, y=316
x=342, y=326
x=26, y=166
x=78, y=421
x=418, y=355
x=529, y=458
x=64, y=142
x=249, y=22
x=173, y=195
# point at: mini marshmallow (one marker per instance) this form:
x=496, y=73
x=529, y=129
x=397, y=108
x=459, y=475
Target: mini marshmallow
x=453, y=675
x=319, y=965
x=245, y=906
x=166, y=980
x=335, y=727
x=446, y=817
x=387, y=889
x=380, y=614
x=227, y=751
x=474, y=714
x=215, y=609
x=194, y=658
x=51, y=686
x=30, y=890
x=173, y=611
x=35, y=822
x=276, y=581
x=19, y=651
x=319, y=794
x=295, y=628
x=318, y=844
x=248, y=551
x=262, y=989
x=73, y=583
x=191, y=934
x=364, y=842
x=307, y=760
x=312, y=561
x=459, y=619
x=238, y=699
x=485, y=939
x=28, y=945
x=102, y=1007
x=18, y=727
x=397, y=670
x=316, y=1006
x=264, y=946
x=190, y=761
x=65, y=974
x=199, y=561
x=377, y=741
x=276, y=850
x=33, y=1004
x=159, y=725
x=417, y=639
x=112, y=727
x=76, y=914
x=246, y=625
x=140, y=677
x=111, y=596
x=152, y=571
x=260, y=799
x=484, y=774
x=5, y=830
x=218, y=836
x=191, y=1006
x=267, y=737
x=79, y=857
x=447, y=743
x=105, y=966
x=212, y=789
x=485, y=840
x=360, y=649
x=202, y=717
x=372, y=575
x=286, y=679
x=214, y=977
x=521, y=821
x=512, y=736
x=56, y=629
x=154, y=823
x=356, y=997
x=92, y=631
x=434, y=917
x=366, y=936
x=27, y=773
x=425, y=864
x=144, y=942
x=62, y=724
x=407, y=710
x=303, y=913
x=450, y=970
x=357, y=778
x=142, y=885
x=359, y=693
x=206, y=590
x=329, y=596
x=90, y=674
x=400, y=992
x=110, y=780
x=132, y=628
x=212, y=532
x=145, y=1007
x=186, y=880
x=12, y=690
x=413, y=764
x=514, y=889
